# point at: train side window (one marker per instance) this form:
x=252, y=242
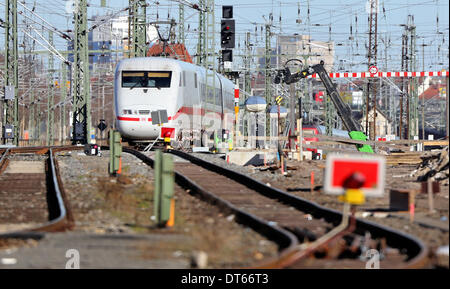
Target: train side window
x=184, y=78
x=195, y=80
x=181, y=79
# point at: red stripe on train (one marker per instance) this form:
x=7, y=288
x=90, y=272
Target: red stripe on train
x=128, y=118
x=183, y=110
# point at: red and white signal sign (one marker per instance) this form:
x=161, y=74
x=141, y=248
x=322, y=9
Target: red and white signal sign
x=355, y=172
x=373, y=70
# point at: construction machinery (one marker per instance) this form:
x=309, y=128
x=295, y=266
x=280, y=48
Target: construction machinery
x=343, y=110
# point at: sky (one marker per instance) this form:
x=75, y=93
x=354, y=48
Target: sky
x=431, y=18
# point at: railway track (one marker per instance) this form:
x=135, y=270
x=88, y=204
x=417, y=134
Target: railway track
x=32, y=197
x=300, y=228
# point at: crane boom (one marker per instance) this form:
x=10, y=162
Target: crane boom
x=343, y=110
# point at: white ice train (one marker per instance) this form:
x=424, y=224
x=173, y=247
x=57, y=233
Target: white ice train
x=146, y=85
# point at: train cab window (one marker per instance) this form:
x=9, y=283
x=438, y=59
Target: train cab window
x=159, y=79
x=146, y=79
x=133, y=79
x=195, y=80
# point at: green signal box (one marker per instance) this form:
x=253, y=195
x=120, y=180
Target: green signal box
x=115, y=158
x=164, y=190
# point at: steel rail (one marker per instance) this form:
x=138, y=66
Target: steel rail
x=3, y=160
x=414, y=248
x=60, y=215
x=285, y=240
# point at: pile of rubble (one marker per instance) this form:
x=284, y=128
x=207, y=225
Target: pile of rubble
x=434, y=167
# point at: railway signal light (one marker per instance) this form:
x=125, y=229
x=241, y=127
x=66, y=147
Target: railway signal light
x=227, y=12
x=8, y=131
x=102, y=126
x=227, y=55
x=79, y=132
x=91, y=150
x=228, y=33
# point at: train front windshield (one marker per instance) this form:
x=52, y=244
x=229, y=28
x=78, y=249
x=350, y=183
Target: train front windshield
x=146, y=79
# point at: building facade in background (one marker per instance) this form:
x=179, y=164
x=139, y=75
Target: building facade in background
x=292, y=47
x=107, y=42
x=302, y=47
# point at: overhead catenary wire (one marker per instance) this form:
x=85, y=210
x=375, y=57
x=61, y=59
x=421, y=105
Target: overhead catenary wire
x=321, y=27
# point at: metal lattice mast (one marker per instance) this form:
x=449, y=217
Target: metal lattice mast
x=63, y=86
x=267, y=79
x=37, y=124
x=138, y=20
x=81, y=80
x=423, y=98
x=329, y=115
x=11, y=111
x=201, y=45
x=372, y=61
x=247, y=75
x=446, y=107
x=31, y=127
x=210, y=61
x=267, y=56
x=247, y=81
x=387, y=96
x=404, y=93
x=50, y=95
x=30, y=76
x=37, y=121
x=181, y=33
x=413, y=93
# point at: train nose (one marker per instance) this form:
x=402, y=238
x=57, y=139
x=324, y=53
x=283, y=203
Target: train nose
x=138, y=128
x=140, y=123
